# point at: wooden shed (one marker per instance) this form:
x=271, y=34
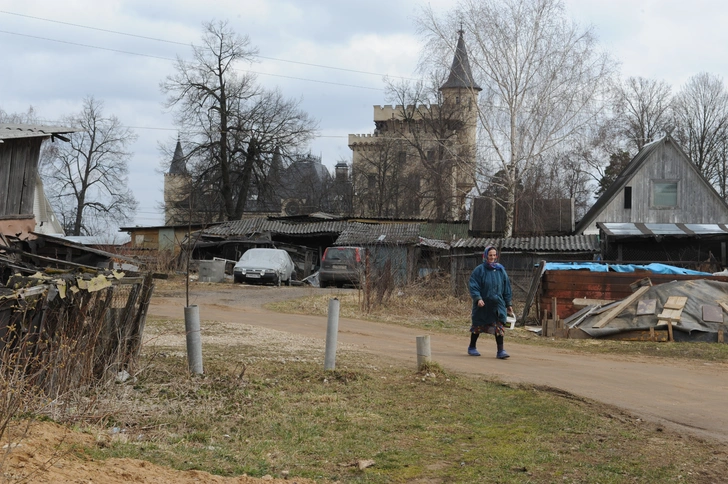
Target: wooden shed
x=19, y=154
x=519, y=255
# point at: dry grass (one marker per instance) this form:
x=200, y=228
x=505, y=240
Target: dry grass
x=259, y=413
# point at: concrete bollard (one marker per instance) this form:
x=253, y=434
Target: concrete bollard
x=194, y=345
x=332, y=331
x=423, y=350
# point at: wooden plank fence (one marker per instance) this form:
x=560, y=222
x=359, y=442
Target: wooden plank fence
x=72, y=330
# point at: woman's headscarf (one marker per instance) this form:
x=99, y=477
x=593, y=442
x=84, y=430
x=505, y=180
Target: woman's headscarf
x=494, y=265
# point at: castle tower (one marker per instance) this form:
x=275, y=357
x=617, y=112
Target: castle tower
x=460, y=91
x=175, y=181
x=420, y=160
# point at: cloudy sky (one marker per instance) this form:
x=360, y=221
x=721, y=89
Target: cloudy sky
x=331, y=54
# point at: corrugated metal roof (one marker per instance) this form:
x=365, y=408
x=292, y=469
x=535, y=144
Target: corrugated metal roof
x=566, y=243
x=366, y=234
x=248, y=226
x=437, y=244
x=444, y=231
x=15, y=131
x=652, y=230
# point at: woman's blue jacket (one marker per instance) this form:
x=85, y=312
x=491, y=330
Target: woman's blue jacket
x=494, y=288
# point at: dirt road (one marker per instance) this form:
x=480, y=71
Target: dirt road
x=689, y=396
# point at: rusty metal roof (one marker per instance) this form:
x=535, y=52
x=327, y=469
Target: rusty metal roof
x=566, y=243
x=243, y=228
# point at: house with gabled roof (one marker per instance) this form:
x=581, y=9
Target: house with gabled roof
x=660, y=208
x=659, y=186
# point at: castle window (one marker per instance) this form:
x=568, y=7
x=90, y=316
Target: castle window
x=401, y=158
x=371, y=182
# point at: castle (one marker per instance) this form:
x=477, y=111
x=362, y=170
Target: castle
x=420, y=160
x=418, y=163
x=299, y=186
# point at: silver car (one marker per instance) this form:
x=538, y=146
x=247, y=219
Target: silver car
x=264, y=266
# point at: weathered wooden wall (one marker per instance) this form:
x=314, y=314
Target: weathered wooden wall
x=73, y=330
x=697, y=201
x=18, y=171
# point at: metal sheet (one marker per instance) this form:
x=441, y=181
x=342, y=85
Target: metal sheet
x=706, y=228
x=664, y=229
x=712, y=314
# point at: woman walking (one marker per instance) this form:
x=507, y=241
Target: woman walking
x=490, y=290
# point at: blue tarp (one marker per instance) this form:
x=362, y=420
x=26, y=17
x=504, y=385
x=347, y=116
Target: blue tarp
x=602, y=267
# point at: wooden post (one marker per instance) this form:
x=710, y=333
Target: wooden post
x=720, y=336
x=423, y=350
x=545, y=324
x=652, y=334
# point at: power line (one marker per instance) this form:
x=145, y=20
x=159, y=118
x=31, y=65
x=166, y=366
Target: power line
x=157, y=128
x=127, y=34
x=78, y=44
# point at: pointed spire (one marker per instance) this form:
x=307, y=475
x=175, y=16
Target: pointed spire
x=460, y=74
x=178, y=166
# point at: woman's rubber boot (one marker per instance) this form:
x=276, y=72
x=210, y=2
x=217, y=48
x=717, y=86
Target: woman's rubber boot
x=473, y=352
x=502, y=355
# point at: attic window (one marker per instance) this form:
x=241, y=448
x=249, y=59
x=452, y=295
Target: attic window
x=627, y=197
x=664, y=194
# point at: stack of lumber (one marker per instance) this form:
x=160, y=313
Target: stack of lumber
x=697, y=307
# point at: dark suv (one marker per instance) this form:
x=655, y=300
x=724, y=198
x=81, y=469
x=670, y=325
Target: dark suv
x=341, y=266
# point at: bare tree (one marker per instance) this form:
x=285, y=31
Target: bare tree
x=433, y=129
x=380, y=176
x=28, y=117
x=700, y=115
x=233, y=124
x=644, y=107
x=542, y=76
x=86, y=179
